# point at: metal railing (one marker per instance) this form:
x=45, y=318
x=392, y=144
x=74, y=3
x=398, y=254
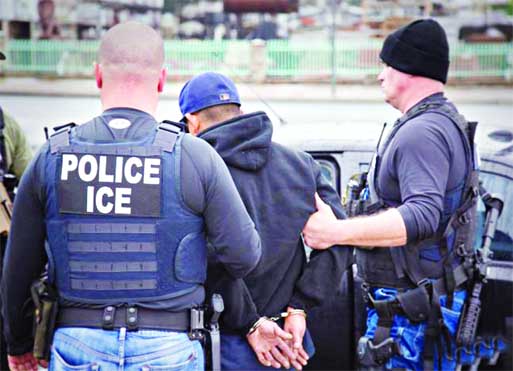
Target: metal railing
x=283, y=59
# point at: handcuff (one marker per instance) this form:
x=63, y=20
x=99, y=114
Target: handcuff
x=261, y=320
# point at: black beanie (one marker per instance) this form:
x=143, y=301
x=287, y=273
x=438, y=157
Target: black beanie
x=419, y=48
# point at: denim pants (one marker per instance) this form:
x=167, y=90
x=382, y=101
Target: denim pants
x=411, y=336
x=78, y=348
x=237, y=354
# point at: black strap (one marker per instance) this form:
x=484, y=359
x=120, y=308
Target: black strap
x=386, y=309
x=3, y=160
x=180, y=125
x=131, y=317
x=69, y=125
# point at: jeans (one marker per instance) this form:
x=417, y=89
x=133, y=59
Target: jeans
x=237, y=354
x=78, y=348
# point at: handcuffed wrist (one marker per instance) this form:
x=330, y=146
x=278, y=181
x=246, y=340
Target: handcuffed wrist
x=288, y=313
x=292, y=312
x=257, y=324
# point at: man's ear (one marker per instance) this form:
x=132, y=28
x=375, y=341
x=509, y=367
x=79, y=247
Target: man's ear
x=98, y=75
x=193, y=123
x=162, y=80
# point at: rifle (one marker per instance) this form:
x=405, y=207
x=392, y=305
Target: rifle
x=472, y=310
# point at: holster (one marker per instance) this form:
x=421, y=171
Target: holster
x=416, y=303
x=372, y=355
x=45, y=300
x=213, y=343
x=208, y=333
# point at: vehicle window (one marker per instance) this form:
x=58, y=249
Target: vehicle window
x=330, y=171
x=502, y=245
x=354, y=162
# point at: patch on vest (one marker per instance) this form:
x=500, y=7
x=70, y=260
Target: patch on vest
x=116, y=185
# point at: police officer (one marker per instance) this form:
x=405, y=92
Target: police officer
x=118, y=208
x=422, y=190
x=15, y=154
x=277, y=185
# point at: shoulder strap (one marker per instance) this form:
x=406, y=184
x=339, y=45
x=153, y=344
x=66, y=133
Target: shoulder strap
x=407, y=117
x=61, y=136
x=166, y=137
x=59, y=139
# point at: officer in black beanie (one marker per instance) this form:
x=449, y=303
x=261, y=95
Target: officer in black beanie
x=420, y=48
x=420, y=177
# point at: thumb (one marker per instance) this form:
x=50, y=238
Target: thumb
x=319, y=203
x=283, y=334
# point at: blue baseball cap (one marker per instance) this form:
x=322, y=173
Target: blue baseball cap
x=207, y=90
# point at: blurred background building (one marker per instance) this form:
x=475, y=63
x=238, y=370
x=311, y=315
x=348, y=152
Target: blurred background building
x=245, y=19
x=302, y=39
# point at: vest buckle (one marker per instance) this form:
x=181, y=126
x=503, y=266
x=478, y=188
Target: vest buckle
x=131, y=318
x=464, y=219
x=109, y=313
x=424, y=282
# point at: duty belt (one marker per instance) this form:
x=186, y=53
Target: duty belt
x=131, y=317
x=418, y=304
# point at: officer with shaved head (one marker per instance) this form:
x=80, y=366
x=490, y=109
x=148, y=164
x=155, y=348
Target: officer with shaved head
x=118, y=210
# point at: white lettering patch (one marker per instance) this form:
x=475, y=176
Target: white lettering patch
x=110, y=184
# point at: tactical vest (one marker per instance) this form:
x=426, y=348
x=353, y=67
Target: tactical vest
x=409, y=266
x=117, y=228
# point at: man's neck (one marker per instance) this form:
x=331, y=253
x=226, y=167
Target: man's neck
x=129, y=98
x=419, y=90
x=123, y=104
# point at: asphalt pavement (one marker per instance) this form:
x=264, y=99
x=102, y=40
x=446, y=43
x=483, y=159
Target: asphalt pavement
x=369, y=92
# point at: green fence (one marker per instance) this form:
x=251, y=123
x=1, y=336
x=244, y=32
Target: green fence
x=282, y=59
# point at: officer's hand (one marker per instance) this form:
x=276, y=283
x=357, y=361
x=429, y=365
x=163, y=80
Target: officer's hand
x=320, y=227
x=269, y=342
x=24, y=362
x=296, y=325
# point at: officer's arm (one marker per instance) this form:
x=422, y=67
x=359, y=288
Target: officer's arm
x=229, y=228
x=25, y=249
x=421, y=165
x=324, y=230
x=18, y=147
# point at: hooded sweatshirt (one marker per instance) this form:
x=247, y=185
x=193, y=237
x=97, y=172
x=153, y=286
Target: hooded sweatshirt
x=277, y=186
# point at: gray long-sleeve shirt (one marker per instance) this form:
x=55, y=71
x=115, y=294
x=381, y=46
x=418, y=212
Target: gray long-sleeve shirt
x=423, y=162
x=228, y=225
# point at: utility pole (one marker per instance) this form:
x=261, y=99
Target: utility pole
x=333, y=32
